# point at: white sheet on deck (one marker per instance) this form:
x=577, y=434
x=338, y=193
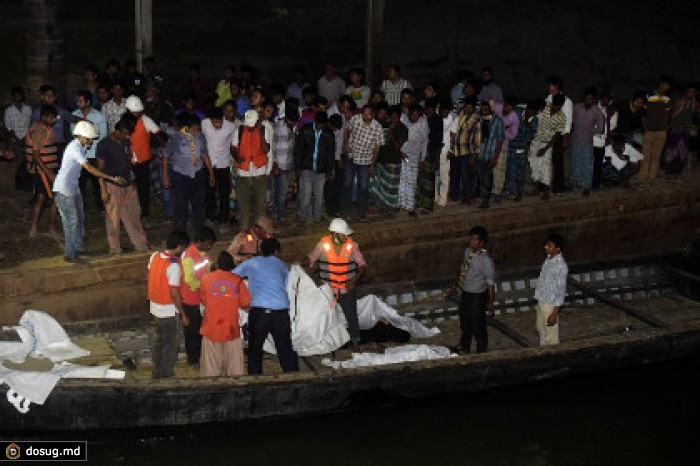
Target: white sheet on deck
x=318, y=328
x=42, y=336
x=396, y=354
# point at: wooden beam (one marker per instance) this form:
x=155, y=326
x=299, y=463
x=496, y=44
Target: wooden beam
x=617, y=304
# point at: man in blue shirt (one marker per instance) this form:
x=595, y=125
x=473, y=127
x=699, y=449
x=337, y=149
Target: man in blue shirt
x=269, y=307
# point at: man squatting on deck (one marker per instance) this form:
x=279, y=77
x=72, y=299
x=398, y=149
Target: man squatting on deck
x=476, y=280
x=551, y=290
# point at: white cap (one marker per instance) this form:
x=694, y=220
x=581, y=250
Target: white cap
x=134, y=104
x=251, y=118
x=85, y=129
x=338, y=225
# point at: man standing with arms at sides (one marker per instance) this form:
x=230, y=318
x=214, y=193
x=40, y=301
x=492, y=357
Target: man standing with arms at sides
x=658, y=111
x=164, y=276
x=42, y=163
x=551, y=290
x=476, y=280
x=341, y=265
x=555, y=87
x=589, y=122
x=222, y=293
x=17, y=118
x=330, y=85
x=219, y=134
x=269, y=307
x=363, y=137
x=253, y=165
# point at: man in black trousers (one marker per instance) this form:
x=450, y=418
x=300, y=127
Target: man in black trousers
x=476, y=280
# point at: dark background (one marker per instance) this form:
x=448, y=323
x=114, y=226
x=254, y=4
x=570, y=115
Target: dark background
x=624, y=45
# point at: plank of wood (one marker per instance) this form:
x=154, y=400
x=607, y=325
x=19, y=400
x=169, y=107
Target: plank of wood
x=617, y=304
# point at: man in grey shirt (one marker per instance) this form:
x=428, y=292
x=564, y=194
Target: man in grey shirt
x=476, y=280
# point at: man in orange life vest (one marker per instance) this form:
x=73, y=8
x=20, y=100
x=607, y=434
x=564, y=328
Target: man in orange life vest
x=246, y=243
x=141, y=146
x=341, y=265
x=164, y=277
x=253, y=157
x=42, y=163
x=222, y=293
x=195, y=263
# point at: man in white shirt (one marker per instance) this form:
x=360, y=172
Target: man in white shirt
x=115, y=107
x=87, y=112
x=621, y=161
x=219, y=133
x=17, y=119
x=330, y=85
x=448, y=119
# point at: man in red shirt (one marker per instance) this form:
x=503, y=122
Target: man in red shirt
x=222, y=294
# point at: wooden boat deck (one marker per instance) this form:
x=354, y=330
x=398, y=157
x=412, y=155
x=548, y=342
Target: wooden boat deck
x=578, y=324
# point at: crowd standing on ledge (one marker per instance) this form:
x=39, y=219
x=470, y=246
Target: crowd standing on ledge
x=231, y=152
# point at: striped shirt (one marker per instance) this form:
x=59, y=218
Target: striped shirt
x=551, y=285
x=392, y=90
x=467, y=131
x=497, y=133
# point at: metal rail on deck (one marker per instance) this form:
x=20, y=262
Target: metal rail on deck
x=644, y=317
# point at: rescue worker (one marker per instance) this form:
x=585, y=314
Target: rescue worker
x=269, y=307
x=341, y=265
x=66, y=189
x=164, y=279
x=246, y=243
x=251, y=151
x=141, y=147
x=195, y=263
x=222, y=293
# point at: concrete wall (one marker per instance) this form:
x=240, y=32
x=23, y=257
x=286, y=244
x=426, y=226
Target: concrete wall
x=621, y=223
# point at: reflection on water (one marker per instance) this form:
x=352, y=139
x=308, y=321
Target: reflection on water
x=644, y=417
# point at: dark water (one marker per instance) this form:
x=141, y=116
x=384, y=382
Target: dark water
x=648, y=416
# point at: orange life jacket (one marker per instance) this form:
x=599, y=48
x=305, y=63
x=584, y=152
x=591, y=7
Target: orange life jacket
x=250, y=149
x=201, y=262
x=158, y=286
x=48, y=152
x=336, y=268
x=141, y=142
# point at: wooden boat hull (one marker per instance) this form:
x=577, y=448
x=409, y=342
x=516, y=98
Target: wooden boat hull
x=102, y=404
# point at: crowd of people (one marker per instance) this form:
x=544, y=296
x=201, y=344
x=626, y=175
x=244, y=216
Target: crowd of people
x=231, y=152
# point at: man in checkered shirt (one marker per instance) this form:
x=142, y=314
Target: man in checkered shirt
x=363, y=136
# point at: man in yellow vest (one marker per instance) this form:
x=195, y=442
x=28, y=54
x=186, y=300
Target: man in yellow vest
x=341, y=265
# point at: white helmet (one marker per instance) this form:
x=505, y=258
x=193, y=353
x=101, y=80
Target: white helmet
x=134, y=104
x=338, y=225
x=85, y=129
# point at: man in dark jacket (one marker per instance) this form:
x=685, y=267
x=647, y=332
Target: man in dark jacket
x=314, y=158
